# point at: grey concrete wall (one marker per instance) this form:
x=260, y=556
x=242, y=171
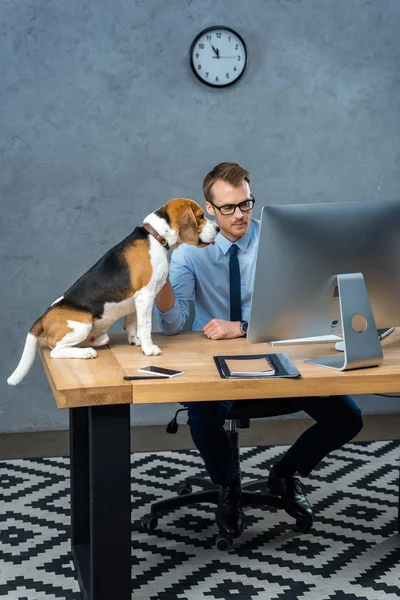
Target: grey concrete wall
x=101, y=121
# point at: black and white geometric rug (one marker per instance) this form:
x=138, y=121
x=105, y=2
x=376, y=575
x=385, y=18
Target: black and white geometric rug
x=351, y=553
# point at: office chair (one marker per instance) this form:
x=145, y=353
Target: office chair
x=239, y=418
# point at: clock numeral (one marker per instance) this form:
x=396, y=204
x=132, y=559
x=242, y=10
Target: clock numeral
x=218, y=35
x=235, y=68
x=227, y=75
x=199, y=67
x=201, y=46
x=229, y=38
x=239, y=57
x=216, y=79
x=209, y=38
x=206, y=74
x=197, y=55
x=236, y=46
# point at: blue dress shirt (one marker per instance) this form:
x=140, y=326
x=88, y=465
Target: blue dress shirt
x=201, y=275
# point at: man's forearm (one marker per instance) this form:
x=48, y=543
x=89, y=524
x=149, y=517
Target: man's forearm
x=165, y=298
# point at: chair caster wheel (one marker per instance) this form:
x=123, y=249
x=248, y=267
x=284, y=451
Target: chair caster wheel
x=223, y=543
x=184, y=489
x=149, y=522
x=304, y=525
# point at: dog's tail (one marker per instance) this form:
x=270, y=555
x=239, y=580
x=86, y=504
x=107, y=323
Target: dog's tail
x=28, y=355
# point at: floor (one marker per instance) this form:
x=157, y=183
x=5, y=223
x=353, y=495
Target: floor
x=351, y=553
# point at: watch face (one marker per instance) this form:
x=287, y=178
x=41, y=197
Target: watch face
x=218, y=56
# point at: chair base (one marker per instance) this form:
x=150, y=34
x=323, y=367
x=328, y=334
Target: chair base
x=210, y=494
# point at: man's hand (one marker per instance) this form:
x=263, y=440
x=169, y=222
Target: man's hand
x=217, y=329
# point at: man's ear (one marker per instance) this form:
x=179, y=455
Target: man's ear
x=188, y=228
x=210, y=209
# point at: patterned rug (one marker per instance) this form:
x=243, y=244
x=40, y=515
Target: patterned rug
x=351, y=553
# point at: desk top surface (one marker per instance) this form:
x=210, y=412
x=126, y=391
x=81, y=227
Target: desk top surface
x=79, y=382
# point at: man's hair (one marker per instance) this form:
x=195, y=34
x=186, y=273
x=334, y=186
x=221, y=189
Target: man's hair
x=227, y=171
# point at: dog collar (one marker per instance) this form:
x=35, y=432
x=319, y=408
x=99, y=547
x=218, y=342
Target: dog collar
x=160, y=239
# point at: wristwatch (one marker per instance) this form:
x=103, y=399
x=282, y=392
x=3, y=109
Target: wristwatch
x=244, y=327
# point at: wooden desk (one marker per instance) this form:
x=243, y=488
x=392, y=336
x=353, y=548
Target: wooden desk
x=99, y=400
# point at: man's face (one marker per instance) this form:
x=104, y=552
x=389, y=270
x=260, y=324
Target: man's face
x=236, y=225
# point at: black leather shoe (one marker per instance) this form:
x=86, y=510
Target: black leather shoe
x=229, y=514
x=291, y=490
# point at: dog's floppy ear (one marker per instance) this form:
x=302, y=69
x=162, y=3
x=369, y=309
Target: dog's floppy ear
x=188, y=227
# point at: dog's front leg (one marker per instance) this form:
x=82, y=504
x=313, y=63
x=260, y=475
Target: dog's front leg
x=144, y=309
x=131, y=329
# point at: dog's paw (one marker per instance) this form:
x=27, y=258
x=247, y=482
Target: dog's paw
x=133, y=339
x=88, y=353
x=102, y=340
x=151, y=350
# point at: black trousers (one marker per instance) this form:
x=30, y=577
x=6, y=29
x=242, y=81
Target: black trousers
x=337, y=420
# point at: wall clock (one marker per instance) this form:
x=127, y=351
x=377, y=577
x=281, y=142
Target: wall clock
x=218, y=56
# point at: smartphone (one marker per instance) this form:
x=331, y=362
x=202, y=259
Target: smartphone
x=382, y=333
x=160, y=371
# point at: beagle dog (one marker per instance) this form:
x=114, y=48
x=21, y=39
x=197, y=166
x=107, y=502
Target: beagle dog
x=123, y=283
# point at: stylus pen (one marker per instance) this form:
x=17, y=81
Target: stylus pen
x=382, y=333
x=130, y=377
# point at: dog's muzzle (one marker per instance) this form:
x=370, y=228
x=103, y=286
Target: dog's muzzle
x=209, y=233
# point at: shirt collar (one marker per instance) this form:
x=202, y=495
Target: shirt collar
x=242, y=243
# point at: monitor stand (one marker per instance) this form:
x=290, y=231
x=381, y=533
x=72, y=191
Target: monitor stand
x=361, y=348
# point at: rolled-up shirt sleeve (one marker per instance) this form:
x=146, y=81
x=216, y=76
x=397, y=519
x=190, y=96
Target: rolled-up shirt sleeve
x=182, y=279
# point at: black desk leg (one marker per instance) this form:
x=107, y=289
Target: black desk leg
x=101, y=501
x=79, y=453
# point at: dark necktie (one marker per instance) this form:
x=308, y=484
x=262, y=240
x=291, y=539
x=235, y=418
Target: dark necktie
x=234, y=283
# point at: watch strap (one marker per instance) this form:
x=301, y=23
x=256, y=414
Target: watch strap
x=243, y=327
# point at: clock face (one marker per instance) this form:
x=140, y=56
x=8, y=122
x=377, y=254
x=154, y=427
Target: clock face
x=218, y=56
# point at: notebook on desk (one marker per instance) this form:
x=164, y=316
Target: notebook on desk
x=250, y=367
x=255, y=366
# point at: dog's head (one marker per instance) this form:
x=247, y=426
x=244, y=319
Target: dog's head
x=183, y=221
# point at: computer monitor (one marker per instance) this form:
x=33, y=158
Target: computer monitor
x=296, y=293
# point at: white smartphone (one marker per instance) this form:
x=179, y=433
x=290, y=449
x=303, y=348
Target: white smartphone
x=160, y=371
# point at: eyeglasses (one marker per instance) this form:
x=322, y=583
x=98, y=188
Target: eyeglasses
x=229, y=209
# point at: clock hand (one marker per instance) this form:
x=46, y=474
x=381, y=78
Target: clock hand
x=224, y=57
x=215, y=50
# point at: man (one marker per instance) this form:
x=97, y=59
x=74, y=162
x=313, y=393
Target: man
x=213, y=278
